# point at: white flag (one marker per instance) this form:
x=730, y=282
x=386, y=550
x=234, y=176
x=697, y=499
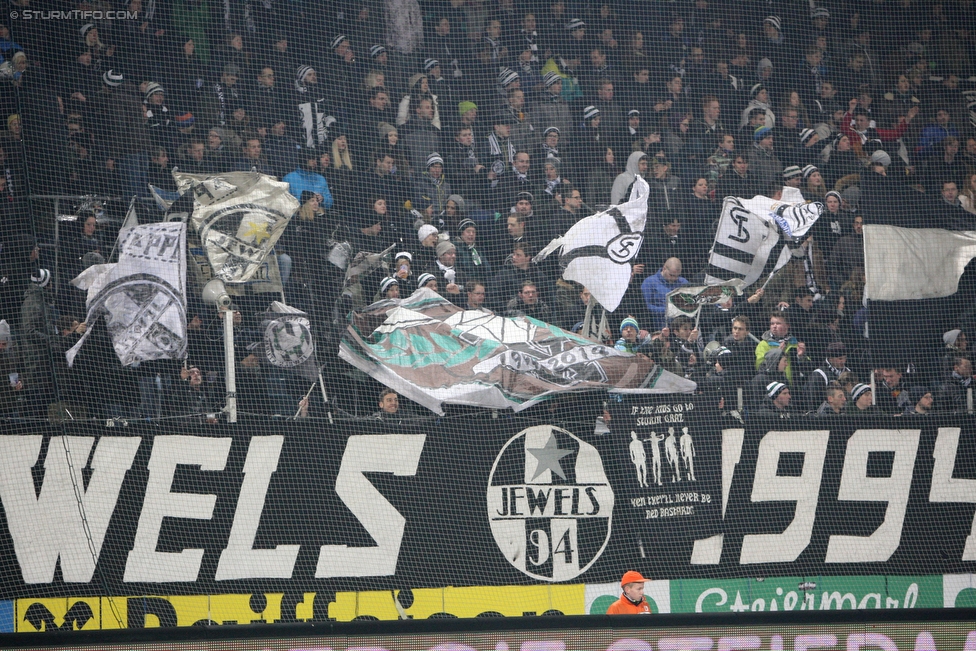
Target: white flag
x=597, y=250
x=914, y=263
x=239, y=216
x=749, y=230
x=131, y=217
x=142, y=296
x=288, y=341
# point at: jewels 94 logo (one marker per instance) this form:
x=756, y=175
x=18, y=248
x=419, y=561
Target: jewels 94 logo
x=550, y=504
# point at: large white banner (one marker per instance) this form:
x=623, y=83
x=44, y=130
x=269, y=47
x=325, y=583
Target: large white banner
x=239, y=216
x=142, y=296
x=914, y=263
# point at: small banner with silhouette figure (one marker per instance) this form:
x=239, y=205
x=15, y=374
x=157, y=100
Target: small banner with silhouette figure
x=667, y=453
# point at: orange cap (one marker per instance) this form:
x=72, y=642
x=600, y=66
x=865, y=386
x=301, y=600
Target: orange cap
x=631, y=576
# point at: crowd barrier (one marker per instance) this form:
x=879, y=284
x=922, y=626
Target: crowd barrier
x=281, y=521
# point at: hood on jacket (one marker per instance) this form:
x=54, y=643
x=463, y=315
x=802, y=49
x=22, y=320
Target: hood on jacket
x=770, y=361
x=626, y=178
x=633, y=161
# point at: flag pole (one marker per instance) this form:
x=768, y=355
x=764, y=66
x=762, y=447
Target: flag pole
x=588, y=317
x=325, y=397
x=125, y=223
x=307, y=394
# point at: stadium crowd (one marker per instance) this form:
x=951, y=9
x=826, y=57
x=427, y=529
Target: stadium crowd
x=466, y=134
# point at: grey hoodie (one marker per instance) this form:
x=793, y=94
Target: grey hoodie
x=625, y=179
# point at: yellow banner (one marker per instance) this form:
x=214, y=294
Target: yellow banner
x=98, y=613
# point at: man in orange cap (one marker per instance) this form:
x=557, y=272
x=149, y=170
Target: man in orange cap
x=632, y=601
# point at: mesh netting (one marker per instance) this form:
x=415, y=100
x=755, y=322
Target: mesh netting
x=447, y=221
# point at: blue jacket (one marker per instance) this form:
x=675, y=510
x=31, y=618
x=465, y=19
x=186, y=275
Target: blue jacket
x=933, y=134
x=301, y=180
x=655, y=290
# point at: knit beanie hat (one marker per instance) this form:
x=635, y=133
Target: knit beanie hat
x=112, y=79
x=773, y=389
x=859, y=390
x=443, y=247
x=386, y=283
x=791, y=172
x=629, y=321
x=303, y=73
x=41, y=277
x=426, y=230
x=152, y=88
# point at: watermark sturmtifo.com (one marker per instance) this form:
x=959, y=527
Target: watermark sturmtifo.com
x=74, y=14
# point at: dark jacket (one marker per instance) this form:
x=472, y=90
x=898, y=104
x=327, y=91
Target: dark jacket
x=741, y=364
x=952, y=393
x=816, y=384
x=472, y=261
x=666, y=199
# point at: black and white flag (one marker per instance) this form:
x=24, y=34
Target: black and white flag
x=598, y=250
x=142, y=296
x=288, y=342
x=750, y=229
x=239, y=216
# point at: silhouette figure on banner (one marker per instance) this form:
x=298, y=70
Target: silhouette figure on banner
x=639, y=458
x=671, y=449
x=656, y=455
x=688, y=453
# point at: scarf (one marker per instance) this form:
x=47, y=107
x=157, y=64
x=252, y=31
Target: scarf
x=808, y=276
x=156, y=120
x=449, y=273
x=836, y=371
x=962, y=382
x=222, y=100
x=495, y=148
x=475, y=256
x=530, y=39
x=495, y=48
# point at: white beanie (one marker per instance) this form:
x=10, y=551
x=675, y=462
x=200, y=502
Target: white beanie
x=426, y=230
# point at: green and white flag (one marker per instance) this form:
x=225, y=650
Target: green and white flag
x=688, y=301
x=434, y=352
